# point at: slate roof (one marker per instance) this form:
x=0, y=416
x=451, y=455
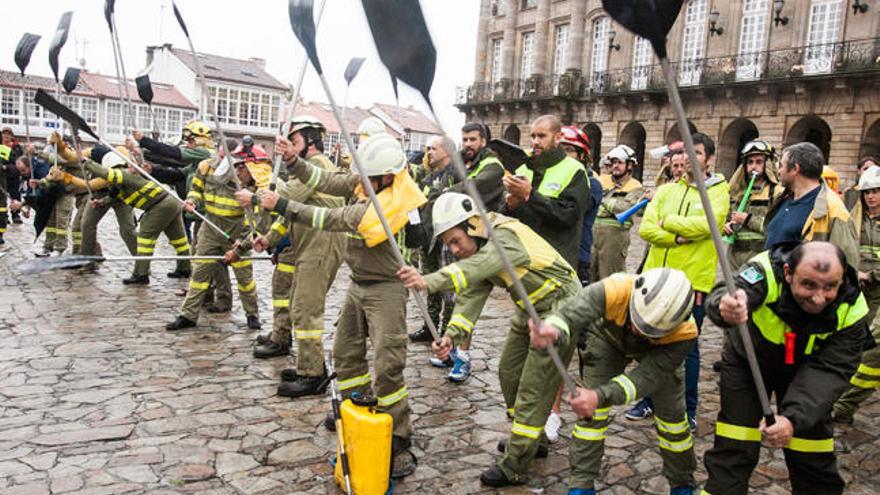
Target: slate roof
x=230, y=69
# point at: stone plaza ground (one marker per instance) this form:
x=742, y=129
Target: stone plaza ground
x=96, y=397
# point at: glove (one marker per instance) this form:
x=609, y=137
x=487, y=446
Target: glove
x=55, y=175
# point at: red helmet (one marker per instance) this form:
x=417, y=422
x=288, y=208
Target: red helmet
x=254, y=153
x=573, y=136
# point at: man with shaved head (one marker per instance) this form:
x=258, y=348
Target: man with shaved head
x=550, y=192
x=807, y=320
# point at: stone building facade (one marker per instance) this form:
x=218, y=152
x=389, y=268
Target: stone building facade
x=810, y=71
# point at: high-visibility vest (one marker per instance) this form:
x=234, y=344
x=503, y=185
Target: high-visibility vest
x=556, y=178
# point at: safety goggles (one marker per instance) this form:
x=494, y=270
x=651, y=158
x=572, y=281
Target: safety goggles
x=758, y=147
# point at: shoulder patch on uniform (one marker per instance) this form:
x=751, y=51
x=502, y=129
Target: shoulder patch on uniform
x=751, y=275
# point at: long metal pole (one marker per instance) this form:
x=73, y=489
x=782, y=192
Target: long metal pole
x=518, y=287
x=279, y=161
x=27, y=128
x=114, y=35
x=684, y=128
x=365, y=180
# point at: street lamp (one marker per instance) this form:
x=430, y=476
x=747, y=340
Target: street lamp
x=859, y=7
x=777, y=8
x=713, y=20
x=611, y=44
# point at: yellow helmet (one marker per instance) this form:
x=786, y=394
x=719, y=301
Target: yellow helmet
x=831, y=178
x=196, y=128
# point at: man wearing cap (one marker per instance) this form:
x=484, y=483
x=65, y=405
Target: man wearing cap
x=312, y=258
x=745, y=229
x=620, y=192
x=529, y=380
x=643, y=318
x=375, y=304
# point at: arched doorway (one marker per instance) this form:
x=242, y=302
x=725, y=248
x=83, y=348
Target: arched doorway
x=733, y=138
x=674, y=135
x=633, y=135
x=812, y=129
x=594, y=132
x=871, y=143
x=512, y=134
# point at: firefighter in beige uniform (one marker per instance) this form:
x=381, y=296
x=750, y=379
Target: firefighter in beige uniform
x=375, y=305
x=316, y=255
x=620, y=191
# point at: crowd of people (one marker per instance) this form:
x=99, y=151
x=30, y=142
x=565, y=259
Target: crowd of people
x=805, y=257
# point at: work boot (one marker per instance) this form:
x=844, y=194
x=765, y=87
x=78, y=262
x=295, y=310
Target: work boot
x=16, y=218
x=330, y=422
x=137, y=280
x=180, y=323
x=289, y=374
x=403, y=461
x=179, y=274
x=495, y=477
x=716, y=366
x=304, y=385
x=271, y=350
x=43, y=253
x=253, y=322
x=263, y=338
x=423, y=335
x=217, y=308
x=542, y=453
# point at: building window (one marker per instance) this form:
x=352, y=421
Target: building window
x=246, y=108
x=528, y=4
x=167, y=121
x=10, y=106
x=498, y=7
x=693, y=43
x=599, y=62
x=560, y=50
x=496, y=61
x=822, y=33
x=87, y=108
x=641, y=64
x=752, y=39
x=525, y=63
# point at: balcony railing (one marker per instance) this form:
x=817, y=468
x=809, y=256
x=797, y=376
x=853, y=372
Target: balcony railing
x=847, y=57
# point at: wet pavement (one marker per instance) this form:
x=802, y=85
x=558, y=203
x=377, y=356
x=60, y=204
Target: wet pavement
x=96, y=397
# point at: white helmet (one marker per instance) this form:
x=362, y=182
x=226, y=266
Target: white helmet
x=623, y=153
x=870, y=179
x=380, y=155
x=302, y=122
x=370, y=127
x=661, y=300
x=113, y=160
x=449, y=210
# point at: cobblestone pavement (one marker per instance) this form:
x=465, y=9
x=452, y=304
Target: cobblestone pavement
x=95, y=397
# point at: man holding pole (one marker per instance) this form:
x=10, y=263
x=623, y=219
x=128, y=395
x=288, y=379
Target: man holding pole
x=744, y=229
x=375, y=305
x=807, y=318
x=529, y=380
x=620, y=192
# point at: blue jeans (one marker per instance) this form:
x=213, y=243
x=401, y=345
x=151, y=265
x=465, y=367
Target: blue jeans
x=691, y=362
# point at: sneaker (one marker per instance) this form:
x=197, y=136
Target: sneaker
x=682, y=490
x=581, y=491
x=551, y=427
x=640, y=411
x=461, y=368
x=449, y=363
x=692, y=423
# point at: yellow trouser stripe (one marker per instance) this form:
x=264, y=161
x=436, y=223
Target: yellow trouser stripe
x=182, y=249
x=868, y=370
x=672, y=428
x=629, y=388
x=355, y=382
x=242, y=263
x=180, y=242
x=280, y=228
x=146, y=241
x=280, y=303
x=223, y=212
x=525, y=430
x=734, y=432
x=221, y=200
x=601, y=414
x=704, y=492
x=393, y=398
x=809, y=445
x=679, y=446
x=248, y=287
x=510, y=411
x=198, y=285
x=53, y=230
x=858, y=382
x=308, y=334
x=589, y=434
x=285, y=267
x=76, y=234
x=145, y=250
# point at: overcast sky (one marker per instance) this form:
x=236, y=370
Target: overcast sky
x=254, y=28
